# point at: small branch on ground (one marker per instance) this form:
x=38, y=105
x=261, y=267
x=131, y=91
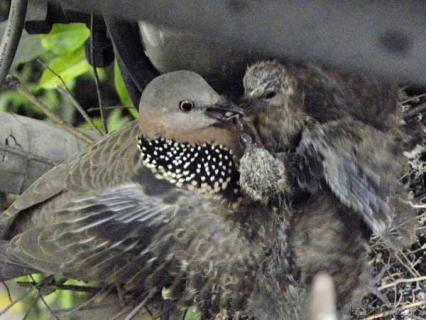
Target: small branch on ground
x=15, y=84
x=68, y=94
x=95, y=73
x=391, y=312
x=5, y=310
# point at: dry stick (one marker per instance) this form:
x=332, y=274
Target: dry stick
x=95, y=72
x=418, y=206
x=139, y=307
x=42, y=298
x=33, y=304
x=15, y=84
x=71, y=311
x=183, y=316
x=119, y=314
x=69, y=287
x=47, y=306
x=413, y=98
x=7, y=291
x=15, y=302
x=105, y=108
x=391, y=312
x=406, y=264
x=150, y=313
x=86, y=304
x=414, y=111
x=399, y=281
x=67, y=93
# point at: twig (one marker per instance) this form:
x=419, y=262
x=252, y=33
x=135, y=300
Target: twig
x=42, y=298
x=105, y=108
x=33, y=303
x=120, y=313
x=53, y=313
x=418, y=205
x=399, y=281
x=391, y=312
x=414, y=111
x=15, y=302
x=165, y=313
x=184, y=313
x=413, y=98
x=31, y=157
x=69, y=287
x=86, y=305
x=95, y=72
x=407, y=265
x=67, y=93
x=15, y=84
x=7, y=291
x=71, y=311
x=139, y=307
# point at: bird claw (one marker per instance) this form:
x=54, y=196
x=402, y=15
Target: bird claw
x=246, y=140
x=247, y=135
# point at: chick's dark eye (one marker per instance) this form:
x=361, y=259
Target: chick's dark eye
x=270, y=95
x=186, y=105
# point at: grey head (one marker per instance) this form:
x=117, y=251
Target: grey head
x=267, y=83
x=183, y=99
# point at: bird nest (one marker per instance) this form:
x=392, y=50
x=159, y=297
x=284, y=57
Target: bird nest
x=400, y=277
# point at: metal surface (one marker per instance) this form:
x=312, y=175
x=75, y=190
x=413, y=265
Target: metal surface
x=37, y=19
x=385, y=37
x=103, y=53
x=136, y=68
x=222, y=66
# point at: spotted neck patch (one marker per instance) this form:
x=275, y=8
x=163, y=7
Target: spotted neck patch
x=207, y=168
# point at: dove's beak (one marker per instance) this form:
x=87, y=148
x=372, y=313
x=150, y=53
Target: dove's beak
x=224, y=113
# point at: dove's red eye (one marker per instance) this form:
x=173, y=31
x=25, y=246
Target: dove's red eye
x=186, y=105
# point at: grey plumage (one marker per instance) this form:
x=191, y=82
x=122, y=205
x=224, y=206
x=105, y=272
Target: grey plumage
x=320, y=117
x=262, y=176
x=336, y=136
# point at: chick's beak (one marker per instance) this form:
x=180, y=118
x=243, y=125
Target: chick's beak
x=250, y=105
x=224, y=112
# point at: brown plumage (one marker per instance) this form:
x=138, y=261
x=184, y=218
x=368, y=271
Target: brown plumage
x=148, y=208
x=336, y=138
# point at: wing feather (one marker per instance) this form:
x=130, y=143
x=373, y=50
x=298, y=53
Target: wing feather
x=123, y=235
x=361, y=166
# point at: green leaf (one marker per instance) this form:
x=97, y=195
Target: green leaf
x=10, y=101
x=68, y=67
x=66, y=299
x=121, y=89
x=96, y=121
x=115, y=121
x=65, y=38
x=192, y=314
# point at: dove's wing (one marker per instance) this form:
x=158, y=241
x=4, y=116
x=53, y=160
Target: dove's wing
x=112, y=160
x=362, y=167
x=123, y=235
